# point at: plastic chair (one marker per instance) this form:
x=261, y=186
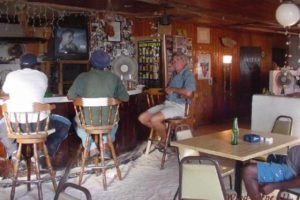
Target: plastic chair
x=98, y=116
x=154, y=97
x=60, y=192
x=200, y=178
x=282, y=125
x=183, y=132
x=28, y=125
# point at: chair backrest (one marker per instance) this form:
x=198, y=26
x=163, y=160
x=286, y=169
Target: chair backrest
x=189, y=109
x=200, y=178
x=29, y=122
x=154, y=96
x=97, y=115
x=182, y=132
x=283, y=125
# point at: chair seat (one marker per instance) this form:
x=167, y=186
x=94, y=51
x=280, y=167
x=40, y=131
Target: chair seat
x=226, y=171
x=175, y=120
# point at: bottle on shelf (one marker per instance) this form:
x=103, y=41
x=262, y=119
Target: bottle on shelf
x=235, y=132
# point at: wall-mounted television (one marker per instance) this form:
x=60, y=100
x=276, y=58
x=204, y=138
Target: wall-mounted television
x=71, y=43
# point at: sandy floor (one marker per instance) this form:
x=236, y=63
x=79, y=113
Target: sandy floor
x=142, y=180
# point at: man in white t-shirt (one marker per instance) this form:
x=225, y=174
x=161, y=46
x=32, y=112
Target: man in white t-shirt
x=25, y=87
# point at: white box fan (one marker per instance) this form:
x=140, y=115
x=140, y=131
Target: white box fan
x=282, y=82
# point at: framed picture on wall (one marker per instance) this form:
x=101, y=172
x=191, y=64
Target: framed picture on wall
x=203, y=35
x=114, y=34
x=204, y=66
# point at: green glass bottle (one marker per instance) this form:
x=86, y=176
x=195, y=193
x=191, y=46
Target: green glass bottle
x=235, y=132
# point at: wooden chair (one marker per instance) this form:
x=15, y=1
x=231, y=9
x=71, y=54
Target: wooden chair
x=172, y=123
x=29, y=129
x=200, y=178
x=63, y=184
x=282, y=125
x=154, y=96
x=98, y=116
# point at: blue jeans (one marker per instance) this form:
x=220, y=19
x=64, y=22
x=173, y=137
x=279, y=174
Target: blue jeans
x=61, y=126
x=59, y=123
x=83, y=135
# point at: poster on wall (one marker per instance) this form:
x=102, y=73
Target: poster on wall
x=204, y=67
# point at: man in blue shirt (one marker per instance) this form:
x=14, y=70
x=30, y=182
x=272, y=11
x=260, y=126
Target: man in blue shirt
x=180, y=88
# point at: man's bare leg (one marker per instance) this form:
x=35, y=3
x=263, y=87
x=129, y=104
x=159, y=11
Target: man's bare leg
x=145, y=119
x=158, y=125
x=251, y=182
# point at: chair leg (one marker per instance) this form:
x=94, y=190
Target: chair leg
x=163, y=159
x=149, y=141
x=113, y=152
x=16, y=169
x=28, y=155
x=84, y=157
x=49, y=166
x=37, y=169
x=230, y=181
x=102, y=162
x=176, y=194
x=96, y=159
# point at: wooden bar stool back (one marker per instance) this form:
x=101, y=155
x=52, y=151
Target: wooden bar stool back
x=98, y=116
x=29, y=127
x=172, y=123
x=154, y=96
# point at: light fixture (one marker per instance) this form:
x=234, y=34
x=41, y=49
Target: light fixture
x=227, y=59
x=287, y=14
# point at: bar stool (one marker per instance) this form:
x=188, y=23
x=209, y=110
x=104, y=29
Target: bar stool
x=29, y=127
x=172, y=123
x=154, y=96
x=98, y=116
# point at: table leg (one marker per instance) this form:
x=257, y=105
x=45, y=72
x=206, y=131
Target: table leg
x=238, y=178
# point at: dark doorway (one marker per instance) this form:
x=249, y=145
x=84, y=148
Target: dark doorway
x=278, y=57
x=250, y=80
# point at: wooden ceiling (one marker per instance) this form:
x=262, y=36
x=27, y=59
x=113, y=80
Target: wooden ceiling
x=257, y=15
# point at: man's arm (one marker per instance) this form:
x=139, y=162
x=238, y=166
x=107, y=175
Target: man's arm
x=182, y=91
x=269, y=187
x=187, y=89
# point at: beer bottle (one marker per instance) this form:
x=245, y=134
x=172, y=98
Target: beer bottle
x=235, y=132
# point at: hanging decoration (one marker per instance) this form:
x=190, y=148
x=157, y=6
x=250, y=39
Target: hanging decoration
x=41, y=19
x=287, y=14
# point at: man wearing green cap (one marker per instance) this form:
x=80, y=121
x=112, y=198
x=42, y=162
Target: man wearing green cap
x=98, y=82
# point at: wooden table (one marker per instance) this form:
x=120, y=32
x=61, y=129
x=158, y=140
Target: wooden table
x=218, y=144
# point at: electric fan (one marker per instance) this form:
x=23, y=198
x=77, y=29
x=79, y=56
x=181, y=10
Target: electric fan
x=284, y=79
x=125, y=67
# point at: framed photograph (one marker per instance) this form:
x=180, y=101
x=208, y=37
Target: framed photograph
x=203, y=35
x=204, y=66
x=116, y=37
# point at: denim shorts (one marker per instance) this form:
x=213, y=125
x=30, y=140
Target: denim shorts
x=273, y=172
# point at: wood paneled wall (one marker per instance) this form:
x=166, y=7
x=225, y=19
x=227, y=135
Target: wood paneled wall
x=211, y=105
